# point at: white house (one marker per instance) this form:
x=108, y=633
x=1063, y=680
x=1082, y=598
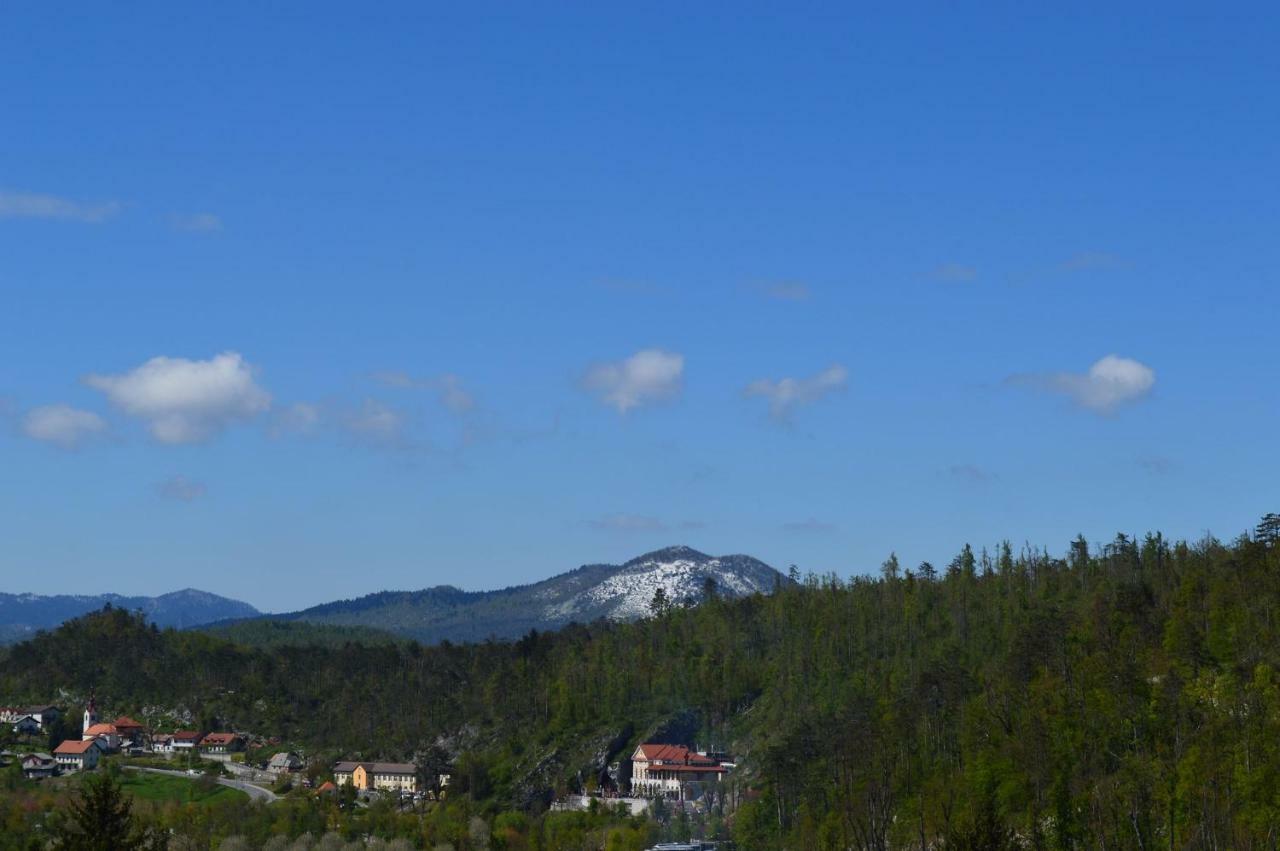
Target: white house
x=75, y=755
x=186, y=741
x=26, y=726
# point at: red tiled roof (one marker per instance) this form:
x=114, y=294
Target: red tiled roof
x=187, y=736
x=675, y=754
x=326, y=786
x=102, y=730
x=219, y=738
x=124, y=722
x=700, y=769
x=73, y=747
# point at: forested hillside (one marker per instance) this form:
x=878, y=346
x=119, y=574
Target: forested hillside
x=1127, y=697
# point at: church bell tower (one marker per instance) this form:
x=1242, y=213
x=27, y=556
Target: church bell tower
x=90, y=713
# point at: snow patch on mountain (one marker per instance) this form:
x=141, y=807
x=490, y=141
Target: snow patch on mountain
x=681, y=573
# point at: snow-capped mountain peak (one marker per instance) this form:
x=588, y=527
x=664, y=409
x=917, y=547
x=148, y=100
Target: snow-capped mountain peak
x=627, y=592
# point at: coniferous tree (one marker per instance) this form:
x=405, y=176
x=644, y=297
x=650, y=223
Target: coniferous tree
x=101, y=819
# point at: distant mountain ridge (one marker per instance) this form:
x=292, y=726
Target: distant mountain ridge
x=590, y=592
x=21, y=615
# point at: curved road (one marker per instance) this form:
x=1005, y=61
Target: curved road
x=255, y=793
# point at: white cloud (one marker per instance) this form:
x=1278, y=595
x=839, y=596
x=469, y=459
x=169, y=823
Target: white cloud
x=648, y=376
x=376, y=423
x=62, y=425
x=1110, y=383
x=449, y=389
x=195, y=222
x=786, y=393
x=186, y=401
x=181, y=488
x=32, y=205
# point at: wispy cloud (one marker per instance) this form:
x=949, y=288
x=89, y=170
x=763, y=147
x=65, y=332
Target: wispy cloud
x=1157, y=465
x=34, y=205
x=186, y=401
x=301, y=418
x=955, y=273
x=811, y=526
x=624, y=286
x=647, y=377
x=627, y=523
x=1087, y=261
x=784, y=290
x=376, y=424
x=448, y=387
x=181, y=489
x=195, y=222
x=62, y=425
x=969, y=473
x=786, y=394
x=1111, y=383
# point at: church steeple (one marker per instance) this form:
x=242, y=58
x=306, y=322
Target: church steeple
x=90, y=712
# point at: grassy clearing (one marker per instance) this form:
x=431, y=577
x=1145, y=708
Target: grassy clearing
x=147, y=786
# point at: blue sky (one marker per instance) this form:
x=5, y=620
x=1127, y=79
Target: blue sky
x=313, y=301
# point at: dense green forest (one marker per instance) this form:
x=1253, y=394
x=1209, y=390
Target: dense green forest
x=260, y=632
x=1122, y=696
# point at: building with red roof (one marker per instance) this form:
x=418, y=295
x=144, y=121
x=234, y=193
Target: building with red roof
x=75, y=755
x=107, y=736
x=222, y=743
x=666, y=770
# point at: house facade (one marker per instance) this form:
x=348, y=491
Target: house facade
x=43, y=715
x=221, y=744
x=26, y=726
x=132, y=734
x=75, y=755
x=666, y=770
x=284, y=763
x=185, y=741
x=107, y=736
x=382, y=776
x=38, y=765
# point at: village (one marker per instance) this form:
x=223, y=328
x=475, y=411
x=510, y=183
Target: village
x=675, y=774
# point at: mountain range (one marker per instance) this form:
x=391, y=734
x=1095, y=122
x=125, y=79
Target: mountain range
x=616, y=592
x=443, y=612
x=21, y=615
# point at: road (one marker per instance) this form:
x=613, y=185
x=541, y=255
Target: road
x=255, y=793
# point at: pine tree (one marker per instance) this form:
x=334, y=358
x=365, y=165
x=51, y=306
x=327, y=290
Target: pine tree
x=101, y=820
x=1268, y=529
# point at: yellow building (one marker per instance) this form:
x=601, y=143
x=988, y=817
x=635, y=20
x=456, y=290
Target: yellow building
x=388, y=776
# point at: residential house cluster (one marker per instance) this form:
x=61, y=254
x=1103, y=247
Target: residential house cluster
x=206, y=745
x=29, y=720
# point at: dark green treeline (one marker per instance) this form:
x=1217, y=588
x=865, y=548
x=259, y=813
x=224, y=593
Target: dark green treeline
x=1120, y=698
